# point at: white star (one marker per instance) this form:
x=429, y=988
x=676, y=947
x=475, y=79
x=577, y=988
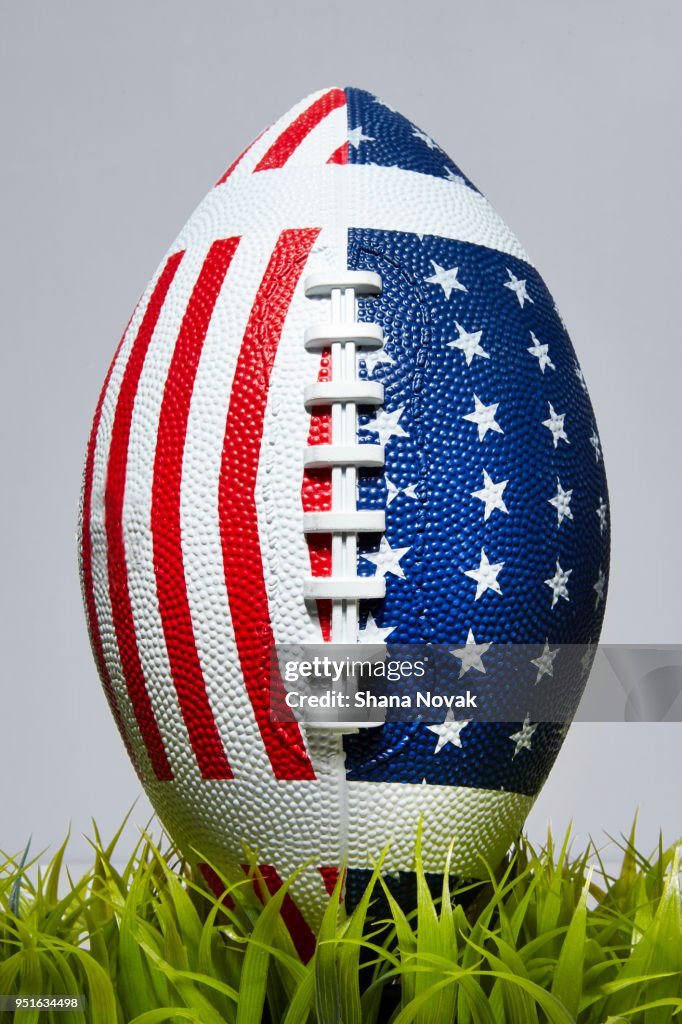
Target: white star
x=541, y=353
x=602, y=510
x=596, y=444
x=447, y=279
x=491, y=494
x=373, y=634
x=523, y=737
x=386, y=424
x=426, y=139
x=469, y=344
x=579, y=375
x=485, y=576
x=599, y=588
x=387, y=559
x=374, y=358
x=562, y=503
x=448, y=731
x=558, y=584
x=356, y=136
x=484, y=417
x=555, y=424
x=587, y=658
x=394, y=491
x=518, y=286
x=471, y=655
x=545, y=663
x=451, y=176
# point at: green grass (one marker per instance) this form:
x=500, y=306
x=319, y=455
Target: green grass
x=546, y=939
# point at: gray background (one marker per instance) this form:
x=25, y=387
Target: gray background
x=117, y=118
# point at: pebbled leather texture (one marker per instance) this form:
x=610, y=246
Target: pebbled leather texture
x=192, y=550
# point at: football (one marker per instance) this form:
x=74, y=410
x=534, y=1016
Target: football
x=345, y=410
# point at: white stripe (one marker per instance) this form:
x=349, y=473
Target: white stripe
x=201, y=540
x=363, y=195
x=98, y=539
x=288, y=823
x=284, y=550
x=286, y=559
x=322, y=141
x=137, y=507
x=285, y=823
x=260, y=147
x=483, y=822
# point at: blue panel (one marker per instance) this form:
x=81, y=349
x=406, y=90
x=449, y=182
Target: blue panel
x=435, y=461
x=380, y=135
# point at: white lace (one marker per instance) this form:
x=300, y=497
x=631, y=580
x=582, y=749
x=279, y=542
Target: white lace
x=344, y=392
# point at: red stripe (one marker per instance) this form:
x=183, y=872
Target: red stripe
x=293, y=136
x=113, y=503
x=340, y=155
x=330, y=876
x=237, y=501
x=165, y=519
x=316, y=496
x=298, y=927
x=86, y=567
x=239, y=159
x=216, y=885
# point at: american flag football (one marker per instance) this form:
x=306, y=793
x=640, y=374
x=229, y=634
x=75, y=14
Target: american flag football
x=345, y=410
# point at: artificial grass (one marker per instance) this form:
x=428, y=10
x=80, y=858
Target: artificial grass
x=545, y=939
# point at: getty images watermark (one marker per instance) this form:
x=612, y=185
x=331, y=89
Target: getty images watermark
x=358, y=684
